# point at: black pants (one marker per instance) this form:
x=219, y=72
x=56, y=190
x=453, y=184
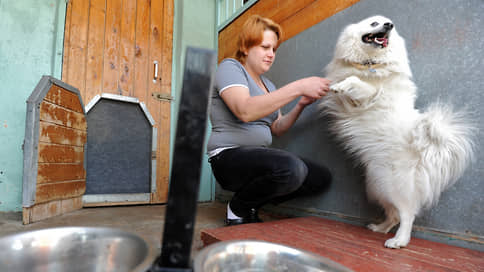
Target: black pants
x=259, y=175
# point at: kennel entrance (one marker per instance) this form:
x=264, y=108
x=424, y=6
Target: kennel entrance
x=121, y=148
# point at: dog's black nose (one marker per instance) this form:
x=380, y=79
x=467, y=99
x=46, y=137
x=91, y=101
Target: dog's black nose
x=388, y=25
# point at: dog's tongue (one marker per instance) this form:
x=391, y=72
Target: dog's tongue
x=382, y=41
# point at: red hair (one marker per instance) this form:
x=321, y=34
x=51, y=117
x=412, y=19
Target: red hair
x=252, y=34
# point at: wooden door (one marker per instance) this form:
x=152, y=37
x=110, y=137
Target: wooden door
x=112, y=46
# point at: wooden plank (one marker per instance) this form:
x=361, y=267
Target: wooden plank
x=279, y=236
x=56, y=134
x=58, y=115
x=26, y=215
x=141, y=55
x=154, y=105
x=155, y=39
x=71, y=204
x=54, y=153
x=307, y=17
x=163, y=152
x=112, y=46
x=57, y=173
x=353, y=246
x=167, y=46
x=54, y=191
x=95, y=50
x=76, y=47
x=277, y=10
x=446, y=258
x=121, y=203
x=67, y=43
x=64, y=98
x=163, y=156
x=45, y=210
x=127, y=48
x=49, y=209
x=41, y=211
x=293, y=16
x=286, y=9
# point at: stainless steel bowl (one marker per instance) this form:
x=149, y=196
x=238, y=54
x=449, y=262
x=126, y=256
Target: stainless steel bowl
x=74, y=249
x=255, y=256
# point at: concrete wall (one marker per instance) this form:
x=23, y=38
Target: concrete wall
x=445, y=42
x=194, y=26
x=31, y=34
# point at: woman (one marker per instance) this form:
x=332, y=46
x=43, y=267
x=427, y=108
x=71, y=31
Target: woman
x=245, y=112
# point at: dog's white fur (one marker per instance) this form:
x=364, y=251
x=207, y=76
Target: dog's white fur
x=409, y=156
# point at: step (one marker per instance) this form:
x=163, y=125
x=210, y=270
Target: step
x=352, y=246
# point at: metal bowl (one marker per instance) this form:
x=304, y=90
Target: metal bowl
x=255, y=256
x=74, y=249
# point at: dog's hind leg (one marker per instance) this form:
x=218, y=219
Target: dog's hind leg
x=390, y=221
x=402, y=238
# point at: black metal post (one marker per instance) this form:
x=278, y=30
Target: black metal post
x=187, y=157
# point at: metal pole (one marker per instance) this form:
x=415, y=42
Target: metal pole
x=187, y=157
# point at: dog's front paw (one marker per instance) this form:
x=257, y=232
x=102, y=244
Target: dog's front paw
x=344, y=86
x=337, y=88
x=395, y=243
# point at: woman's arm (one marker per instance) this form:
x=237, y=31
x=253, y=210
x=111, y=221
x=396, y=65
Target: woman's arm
x=285, y=122
x=249, y=108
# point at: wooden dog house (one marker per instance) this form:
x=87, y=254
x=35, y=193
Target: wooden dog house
x=54, y=175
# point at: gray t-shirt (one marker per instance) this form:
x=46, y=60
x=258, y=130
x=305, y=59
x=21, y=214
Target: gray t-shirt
x=227, y=130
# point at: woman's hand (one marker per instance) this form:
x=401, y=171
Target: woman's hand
x=310, y=89
x=317, y=86
x=314, y=87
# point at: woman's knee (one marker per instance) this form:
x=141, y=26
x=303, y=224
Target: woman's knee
x=292, y=173
x=299, y=170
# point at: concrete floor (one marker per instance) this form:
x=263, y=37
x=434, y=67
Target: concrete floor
x=146, y=221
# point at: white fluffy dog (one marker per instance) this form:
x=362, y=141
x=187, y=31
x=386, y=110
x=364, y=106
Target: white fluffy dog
x=409, y=156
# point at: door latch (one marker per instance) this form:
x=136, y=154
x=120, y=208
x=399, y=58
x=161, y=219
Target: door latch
x=162, y=96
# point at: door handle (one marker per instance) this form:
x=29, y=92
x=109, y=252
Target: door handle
x=155, y=71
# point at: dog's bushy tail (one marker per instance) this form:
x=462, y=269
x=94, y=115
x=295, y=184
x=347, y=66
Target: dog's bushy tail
x=445, y=140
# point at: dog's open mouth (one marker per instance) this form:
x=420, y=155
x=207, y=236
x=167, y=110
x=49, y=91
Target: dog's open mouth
x=380, y=37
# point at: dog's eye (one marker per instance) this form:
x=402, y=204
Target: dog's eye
x=374, y=24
